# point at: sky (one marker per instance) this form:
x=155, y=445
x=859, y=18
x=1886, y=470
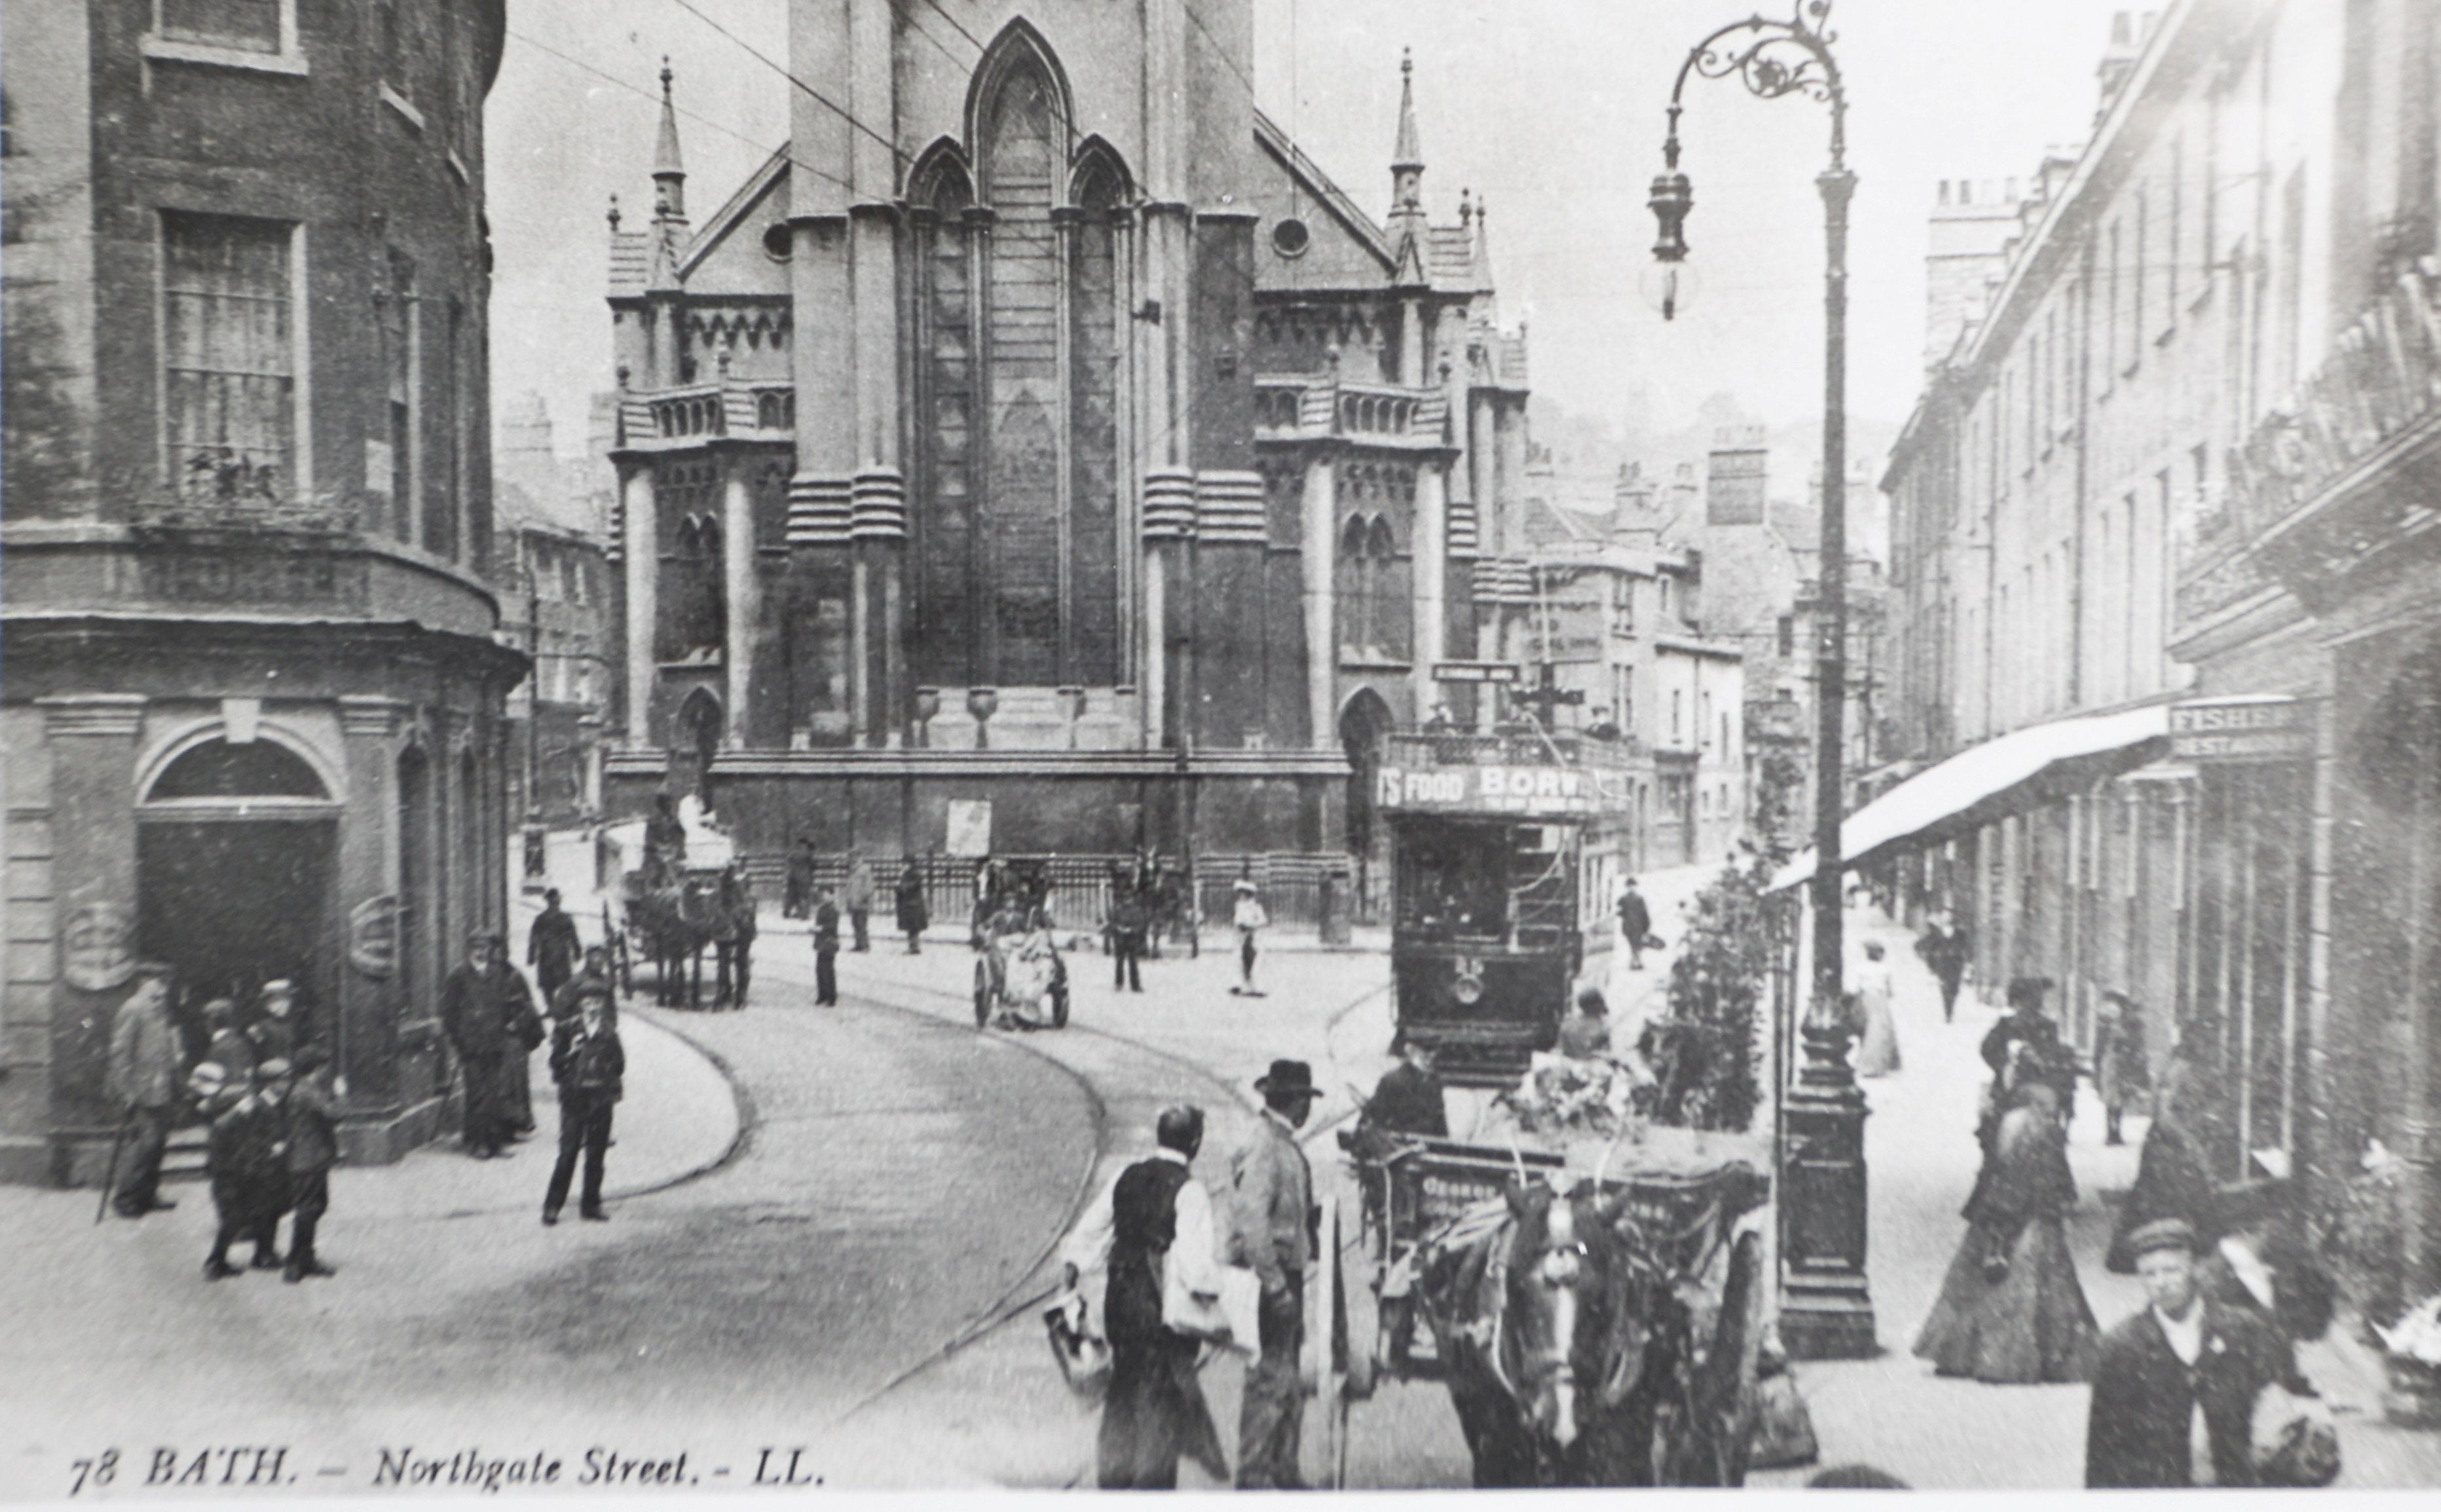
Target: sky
x=1551, y=111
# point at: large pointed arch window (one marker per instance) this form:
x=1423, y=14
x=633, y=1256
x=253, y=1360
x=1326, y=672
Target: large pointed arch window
x=1016, y=501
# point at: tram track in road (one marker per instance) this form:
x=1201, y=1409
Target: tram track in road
x=979, y=1365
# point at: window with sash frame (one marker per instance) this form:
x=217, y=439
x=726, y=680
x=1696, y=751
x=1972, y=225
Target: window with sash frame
x=229, y=357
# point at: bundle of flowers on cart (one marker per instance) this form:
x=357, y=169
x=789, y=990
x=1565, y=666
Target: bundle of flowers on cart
x=1562, y=1097
x=2416, y=1336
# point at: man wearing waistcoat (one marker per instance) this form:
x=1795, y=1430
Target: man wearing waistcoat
x=1153, y=1225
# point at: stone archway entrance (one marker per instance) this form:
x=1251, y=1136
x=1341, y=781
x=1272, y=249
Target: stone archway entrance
x=1364, y=728
x=235, y=845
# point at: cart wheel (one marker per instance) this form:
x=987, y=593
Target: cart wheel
x=982, y=993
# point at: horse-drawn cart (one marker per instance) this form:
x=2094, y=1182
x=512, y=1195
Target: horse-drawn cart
x=1594, y=1310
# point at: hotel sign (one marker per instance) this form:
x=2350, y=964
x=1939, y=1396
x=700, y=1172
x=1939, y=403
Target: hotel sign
x=2242, y=730
x=1558, y=791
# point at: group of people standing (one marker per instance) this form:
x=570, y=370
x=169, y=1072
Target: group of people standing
x=1156, y=1236
x=2183, y=1390
x=266, y=1093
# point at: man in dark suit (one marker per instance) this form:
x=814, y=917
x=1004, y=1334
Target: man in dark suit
x=827, y=931
x=491, y=1022
x=1407, y=1100
x=1635, y=924
x=2175, y=1388
x=591, y=1066
x=552, y=946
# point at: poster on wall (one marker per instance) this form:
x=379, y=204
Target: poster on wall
x=969, y=827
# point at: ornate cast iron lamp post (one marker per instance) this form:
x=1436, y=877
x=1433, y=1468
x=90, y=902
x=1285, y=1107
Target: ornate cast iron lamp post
x=1826, y=1310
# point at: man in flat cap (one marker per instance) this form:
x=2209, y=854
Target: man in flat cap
x=2175, y=1389
x=1274, y=1188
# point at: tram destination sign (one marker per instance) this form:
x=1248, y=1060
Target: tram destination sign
x=1558, y=791
x=2241, y=729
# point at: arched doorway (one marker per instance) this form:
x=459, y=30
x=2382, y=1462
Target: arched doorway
x=233, y=866
x=699, y=728
x=1364, y=725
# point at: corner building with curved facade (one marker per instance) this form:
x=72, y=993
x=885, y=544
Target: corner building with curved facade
x=1041, y=427
x=253, y=723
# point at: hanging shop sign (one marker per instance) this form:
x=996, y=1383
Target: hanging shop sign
x=2258, y=728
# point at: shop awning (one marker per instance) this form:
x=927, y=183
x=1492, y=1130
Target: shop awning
x=2007, y=775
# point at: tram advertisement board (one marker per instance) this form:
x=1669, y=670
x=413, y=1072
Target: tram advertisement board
x=1566, y=791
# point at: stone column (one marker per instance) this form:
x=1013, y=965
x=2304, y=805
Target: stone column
x=92, y=739
x=1431, y=539
x=641, y=548
x=1169, y=526
x=369, y=1003
x=742, y=580
x=878, y=531
x=1321, y=600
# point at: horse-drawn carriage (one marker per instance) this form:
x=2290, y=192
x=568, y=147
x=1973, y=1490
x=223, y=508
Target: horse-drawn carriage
x=668, y=907
x=1020, y=981
x=1593, y=1328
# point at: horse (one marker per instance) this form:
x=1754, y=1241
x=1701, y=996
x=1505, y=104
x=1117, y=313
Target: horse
x=1582, y=1348
x=676, y=918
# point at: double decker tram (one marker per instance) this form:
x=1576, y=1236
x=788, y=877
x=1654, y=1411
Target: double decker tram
x=1489, y=839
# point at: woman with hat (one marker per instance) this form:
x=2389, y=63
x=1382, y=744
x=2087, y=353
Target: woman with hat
x=2172, y=1178
x=2011, y=1310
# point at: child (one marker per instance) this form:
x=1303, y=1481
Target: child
x=313, y=1149
x=249, y=1175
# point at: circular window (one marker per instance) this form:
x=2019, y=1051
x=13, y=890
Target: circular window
x=777, y=242
x=1290, y=237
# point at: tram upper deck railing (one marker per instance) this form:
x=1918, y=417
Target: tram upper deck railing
x=1513, y=748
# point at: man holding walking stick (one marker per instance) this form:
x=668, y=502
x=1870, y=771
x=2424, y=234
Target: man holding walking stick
x=143, y=1082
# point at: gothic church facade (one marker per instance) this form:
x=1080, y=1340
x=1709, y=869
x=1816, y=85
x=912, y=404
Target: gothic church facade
x=1040, y=425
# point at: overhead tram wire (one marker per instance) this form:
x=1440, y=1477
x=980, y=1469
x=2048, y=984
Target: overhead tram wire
x=768, y=61
x=697, y=118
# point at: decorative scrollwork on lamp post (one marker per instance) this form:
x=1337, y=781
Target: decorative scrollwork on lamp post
x=1826, y=1310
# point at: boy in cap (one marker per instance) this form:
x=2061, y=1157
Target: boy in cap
x=589, y=1065
x=313, y=1149
x=2175, y=1389
x=247, y=1163
x=277, y=1032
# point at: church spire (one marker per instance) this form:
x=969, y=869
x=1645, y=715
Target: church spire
x=1407, y=157
x=669, y=171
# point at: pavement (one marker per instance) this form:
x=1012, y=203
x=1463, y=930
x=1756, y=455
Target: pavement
x=1921, y=1156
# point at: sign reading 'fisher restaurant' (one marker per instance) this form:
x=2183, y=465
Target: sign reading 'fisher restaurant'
x=2241, y=729
x=1557, y=790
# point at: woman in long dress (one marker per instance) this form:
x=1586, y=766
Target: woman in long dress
x=1877, y=1036
x=2011, y=1310
x=2172, y=1178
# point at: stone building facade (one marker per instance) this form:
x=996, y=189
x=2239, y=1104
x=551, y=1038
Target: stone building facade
x=2182, y=456
x=1050, y=431
x=252, y=719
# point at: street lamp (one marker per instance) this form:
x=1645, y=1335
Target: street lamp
x=1826, y=1312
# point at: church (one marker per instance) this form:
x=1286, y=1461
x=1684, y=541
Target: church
x=1042, y=427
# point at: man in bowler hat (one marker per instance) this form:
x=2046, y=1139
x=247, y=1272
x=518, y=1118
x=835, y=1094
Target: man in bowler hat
x=1273, y=1189
x=146, y=1062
